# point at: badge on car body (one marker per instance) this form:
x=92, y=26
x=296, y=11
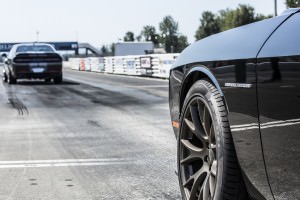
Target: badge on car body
x=238, y=85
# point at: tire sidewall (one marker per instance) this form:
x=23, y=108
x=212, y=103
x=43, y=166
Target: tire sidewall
x=202, y=90
x=11, y=79
x=4, y=76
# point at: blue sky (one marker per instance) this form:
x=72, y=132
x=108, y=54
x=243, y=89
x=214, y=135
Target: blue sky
x=104, y=21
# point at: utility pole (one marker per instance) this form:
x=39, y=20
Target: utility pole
x=37, y=36
x=275, y=1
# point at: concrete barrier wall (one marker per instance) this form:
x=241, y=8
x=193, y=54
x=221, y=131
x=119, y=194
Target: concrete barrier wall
x=153, y=65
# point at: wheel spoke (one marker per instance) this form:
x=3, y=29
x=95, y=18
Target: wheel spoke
x=192, y=157
x=195, y=152
x=190, y=125
x=204, y=116
x=189, y=182
x=206, y=120
x=212, y=139
x=212, y=146
x=199, y=130
x=189, y=159
x=214, y=168
x=199, y=178
x=204, y=191
x=212, y=185
x=200, y=109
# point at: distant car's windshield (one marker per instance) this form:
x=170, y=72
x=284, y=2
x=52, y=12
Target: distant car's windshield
x=41, y=48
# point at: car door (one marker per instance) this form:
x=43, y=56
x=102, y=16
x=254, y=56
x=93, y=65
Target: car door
x=278, y=75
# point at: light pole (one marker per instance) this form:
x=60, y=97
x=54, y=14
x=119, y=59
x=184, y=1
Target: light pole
x=37, y=36
x=275, y=1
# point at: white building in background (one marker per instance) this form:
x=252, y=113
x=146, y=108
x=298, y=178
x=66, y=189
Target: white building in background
x=133, y=48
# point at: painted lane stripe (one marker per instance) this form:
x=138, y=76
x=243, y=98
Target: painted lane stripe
x=149, y=86
x=63, y=163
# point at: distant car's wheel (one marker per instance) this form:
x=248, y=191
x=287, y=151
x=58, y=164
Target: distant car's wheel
x=4, y=78
x=47, y=80
x=207, y=163
x=11, y=79
x=58, y=79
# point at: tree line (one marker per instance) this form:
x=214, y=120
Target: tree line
x=172, y=41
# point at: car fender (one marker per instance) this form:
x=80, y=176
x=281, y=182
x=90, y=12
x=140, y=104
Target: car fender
x=199, y=72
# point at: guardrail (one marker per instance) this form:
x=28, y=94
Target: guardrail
x=153, y=65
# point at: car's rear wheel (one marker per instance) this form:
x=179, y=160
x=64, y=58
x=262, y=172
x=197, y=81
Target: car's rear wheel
x=58, y=79
x=11, y=79
x=207, y=163
x=47, y=80
x=4, y=78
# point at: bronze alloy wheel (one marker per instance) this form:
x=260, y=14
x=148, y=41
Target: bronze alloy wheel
x=197, y=151
x=207, y=162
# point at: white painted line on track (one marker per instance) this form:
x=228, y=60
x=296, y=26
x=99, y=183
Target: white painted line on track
x=63, y=163
x=150, y=86
x=121, y=75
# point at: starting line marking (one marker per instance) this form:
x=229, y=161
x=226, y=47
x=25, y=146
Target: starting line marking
x=63, y=163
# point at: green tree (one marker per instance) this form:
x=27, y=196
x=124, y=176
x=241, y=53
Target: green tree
x=182, y=43
x=129, y=37
x=242, y=15
x=148, y=33
x=227, y=19
x=292, y=3
x=104, y=49
x=112, y=49
x=260, y=17
x=209, y=24
x=169, y=28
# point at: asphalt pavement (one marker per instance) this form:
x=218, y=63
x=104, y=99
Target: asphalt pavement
x=95, y=136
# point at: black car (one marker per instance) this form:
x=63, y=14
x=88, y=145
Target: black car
x=32, y=61
x=235, y=109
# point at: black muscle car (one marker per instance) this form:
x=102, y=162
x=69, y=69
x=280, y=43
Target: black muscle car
x=32, y=61
x=235, y=109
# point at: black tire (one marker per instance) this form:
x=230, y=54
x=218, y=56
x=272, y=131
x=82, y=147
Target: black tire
x=207, y=162
x=58, y=79
x=4, y=78
x=47, y=80
x=11, y=79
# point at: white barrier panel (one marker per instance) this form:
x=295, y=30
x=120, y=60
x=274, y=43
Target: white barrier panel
x=101, y=64
x=108, y=64
x=74, y=63
x=97, y=64
x=66, y=64
x=156, y=65
x=82, y=64
x=146, y=66
x=87, y=64
x=118, y=65
x=132, y=65
x=162, y=63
